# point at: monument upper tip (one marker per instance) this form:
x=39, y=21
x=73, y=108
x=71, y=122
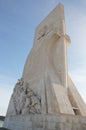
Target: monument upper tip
x=60, y=4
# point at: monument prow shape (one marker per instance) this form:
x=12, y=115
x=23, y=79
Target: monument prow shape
x=45, y=86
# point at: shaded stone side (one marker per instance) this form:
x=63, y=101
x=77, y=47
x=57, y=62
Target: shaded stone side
x=46, y=122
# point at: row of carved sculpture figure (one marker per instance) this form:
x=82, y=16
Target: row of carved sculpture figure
x=25, y=100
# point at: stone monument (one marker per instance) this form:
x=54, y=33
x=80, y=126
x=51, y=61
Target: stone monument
x=45, y=98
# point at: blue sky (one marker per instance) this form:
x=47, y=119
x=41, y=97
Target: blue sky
x=18, y=20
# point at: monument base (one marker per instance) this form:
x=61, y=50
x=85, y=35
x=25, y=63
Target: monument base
x=45, y=122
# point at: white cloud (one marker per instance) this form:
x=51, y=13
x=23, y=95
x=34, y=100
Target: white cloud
x=79, y=78
x=5, y=95
x=77, y=49
x=75, y=21
x=6, y=88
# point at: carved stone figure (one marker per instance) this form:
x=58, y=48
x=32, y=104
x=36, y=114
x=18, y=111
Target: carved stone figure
x=20, y=82
x=25, y=100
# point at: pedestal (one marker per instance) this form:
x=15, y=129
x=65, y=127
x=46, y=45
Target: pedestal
x=45, y=122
